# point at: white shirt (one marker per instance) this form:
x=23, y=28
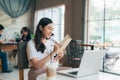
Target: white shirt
x=33, y=53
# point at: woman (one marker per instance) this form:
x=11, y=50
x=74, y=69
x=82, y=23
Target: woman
x=25, y=31
x=42, y=49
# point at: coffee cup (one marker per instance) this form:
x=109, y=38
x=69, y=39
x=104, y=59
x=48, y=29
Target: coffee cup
x=51, y=69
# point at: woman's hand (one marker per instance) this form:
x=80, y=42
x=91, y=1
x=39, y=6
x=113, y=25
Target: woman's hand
x=59, y=56
x=56, y=48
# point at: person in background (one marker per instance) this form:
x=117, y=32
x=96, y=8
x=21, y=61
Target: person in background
x=42, y=50
x=25, y=31
x=3, y=55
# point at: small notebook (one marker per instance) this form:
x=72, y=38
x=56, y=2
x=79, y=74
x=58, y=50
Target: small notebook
x=64, y=42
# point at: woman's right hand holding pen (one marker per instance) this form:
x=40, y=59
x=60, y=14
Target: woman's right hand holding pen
x=56, y=49
x=57, y=52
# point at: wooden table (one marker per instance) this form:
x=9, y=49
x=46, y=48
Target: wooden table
x=8, y=46
x=95, y=45
x=88, y=45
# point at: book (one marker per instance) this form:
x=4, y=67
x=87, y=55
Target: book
x=64, y=43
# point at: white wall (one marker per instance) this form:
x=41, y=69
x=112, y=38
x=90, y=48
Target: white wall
x=14, y=25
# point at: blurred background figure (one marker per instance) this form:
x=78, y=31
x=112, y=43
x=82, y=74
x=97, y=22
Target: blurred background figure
x=3, y=55
x=26, y=36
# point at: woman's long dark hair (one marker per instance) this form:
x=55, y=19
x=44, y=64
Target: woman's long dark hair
x=38, y=34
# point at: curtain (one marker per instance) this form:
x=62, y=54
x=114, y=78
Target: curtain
x=15, y=8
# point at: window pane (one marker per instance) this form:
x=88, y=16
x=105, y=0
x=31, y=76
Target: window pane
x=112, y=9
x=104, y=29
x=47, y=13
x=96, y=8
x=57, y=15
x=95, y=32
x=112, y=32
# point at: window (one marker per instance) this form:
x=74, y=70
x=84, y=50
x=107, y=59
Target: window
x=57, y=15
x=103, y=22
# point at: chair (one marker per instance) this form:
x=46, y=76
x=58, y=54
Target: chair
x=74, y=53
x=22, y=59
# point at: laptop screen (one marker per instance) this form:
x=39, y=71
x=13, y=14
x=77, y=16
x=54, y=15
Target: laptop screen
x=91, y=63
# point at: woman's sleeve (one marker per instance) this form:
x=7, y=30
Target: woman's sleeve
x=31, y=50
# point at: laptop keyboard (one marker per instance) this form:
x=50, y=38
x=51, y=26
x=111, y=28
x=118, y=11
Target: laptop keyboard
x=73, y=72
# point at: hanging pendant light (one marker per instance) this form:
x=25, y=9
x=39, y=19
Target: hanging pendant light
x=15, y=8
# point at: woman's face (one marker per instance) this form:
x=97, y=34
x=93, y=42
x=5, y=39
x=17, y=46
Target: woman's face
x=25, y=33
x=47, y=30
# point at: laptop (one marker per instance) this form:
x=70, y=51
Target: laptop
x=91, y=63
